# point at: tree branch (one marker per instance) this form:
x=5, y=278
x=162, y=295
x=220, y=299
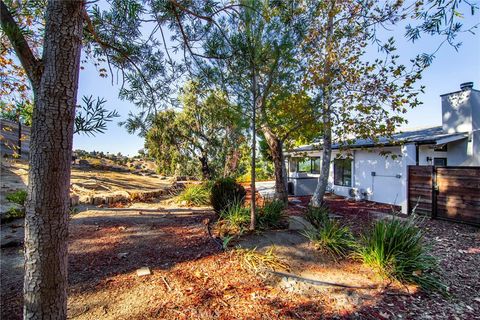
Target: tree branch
x=32, y=65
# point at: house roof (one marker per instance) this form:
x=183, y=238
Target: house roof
x=432, y=135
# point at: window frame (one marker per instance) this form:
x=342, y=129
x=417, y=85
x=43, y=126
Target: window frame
x=336, y=171
x=311, y=161
x=440, y=158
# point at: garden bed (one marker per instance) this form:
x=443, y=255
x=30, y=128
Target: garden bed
x=192, y=278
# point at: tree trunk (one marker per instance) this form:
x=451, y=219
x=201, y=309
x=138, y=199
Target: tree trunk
x=253, y=202
x=321, y=188
x=276, y=151
x=47, y=206
x=206, y=173
x=19, y=137
x=319, y=193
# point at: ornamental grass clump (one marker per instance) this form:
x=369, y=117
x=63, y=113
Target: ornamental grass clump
x=396, y=250
x=271, y=214
x=236, y=215
x=317, y=215
x=195, y=195
x=332, y=238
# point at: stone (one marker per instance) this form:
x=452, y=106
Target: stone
x=299, y=223
x=145, y=271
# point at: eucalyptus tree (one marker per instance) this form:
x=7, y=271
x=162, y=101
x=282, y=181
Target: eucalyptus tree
x=204, y=131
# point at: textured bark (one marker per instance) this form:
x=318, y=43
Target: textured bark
x=275, y=146
x=321, y=188
x=253, y=204
x=46, y=221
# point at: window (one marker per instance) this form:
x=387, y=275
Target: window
x=315, y=165
x=304, y=165
x=440, y=162
x=342, y=172
x=441, y=148
x=308, y=165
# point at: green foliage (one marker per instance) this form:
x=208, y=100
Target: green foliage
x=236, y=215
x=195, y=195
x=397, y=251
x=331, y=238
x=19, y=197
x=13, y=213
x=91, y=118
x=226, y=192
x=317, y=215
x=200, y=137
x=271, y=214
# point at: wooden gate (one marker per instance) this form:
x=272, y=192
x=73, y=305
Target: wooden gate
x=449, y=193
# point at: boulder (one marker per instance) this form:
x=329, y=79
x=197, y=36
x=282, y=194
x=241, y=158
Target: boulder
x=299, y=223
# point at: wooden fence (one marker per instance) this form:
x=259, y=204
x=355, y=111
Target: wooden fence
x=449, y=193
x=11, y=135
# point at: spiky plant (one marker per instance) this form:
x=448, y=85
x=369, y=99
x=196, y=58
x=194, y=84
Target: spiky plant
x=397, y=250
x=332, y=238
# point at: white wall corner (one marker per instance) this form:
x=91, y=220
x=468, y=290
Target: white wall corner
x=409, y=155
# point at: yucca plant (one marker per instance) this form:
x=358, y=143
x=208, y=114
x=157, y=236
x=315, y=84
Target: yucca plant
x=397, y=251
x=271, y=214
x=195, y=195
x=331, y=238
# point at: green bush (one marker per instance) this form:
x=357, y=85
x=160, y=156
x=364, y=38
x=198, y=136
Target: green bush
x=317, y=215
x=195, y=195
x=396, y=250
x=271, y=214
x=331, y=238
x=236, y=215
x=225, y=193
x=18, y=197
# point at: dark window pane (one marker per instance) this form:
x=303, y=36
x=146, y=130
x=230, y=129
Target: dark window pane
x=342, y=172
x=440, y=162
x=315, y=165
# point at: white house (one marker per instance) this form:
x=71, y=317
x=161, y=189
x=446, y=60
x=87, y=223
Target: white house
x=367, y=173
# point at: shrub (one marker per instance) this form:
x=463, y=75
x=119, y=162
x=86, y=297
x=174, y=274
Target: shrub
x=195, y=195
x=225, y=193
x=271, y=214
x=396, y=250
x=332, y=238
x=236, y=215
x=18, y=197
x=317, y=215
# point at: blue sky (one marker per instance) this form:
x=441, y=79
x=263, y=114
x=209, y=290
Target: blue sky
x=449, y=69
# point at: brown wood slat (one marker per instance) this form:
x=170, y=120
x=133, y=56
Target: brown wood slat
x=459, y=194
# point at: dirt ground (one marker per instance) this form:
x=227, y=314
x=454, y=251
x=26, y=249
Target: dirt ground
x=192, y=278
x=91, y=186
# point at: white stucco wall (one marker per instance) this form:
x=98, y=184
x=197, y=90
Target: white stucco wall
x=461, y=113
x=387, y=183
x=425, y=151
